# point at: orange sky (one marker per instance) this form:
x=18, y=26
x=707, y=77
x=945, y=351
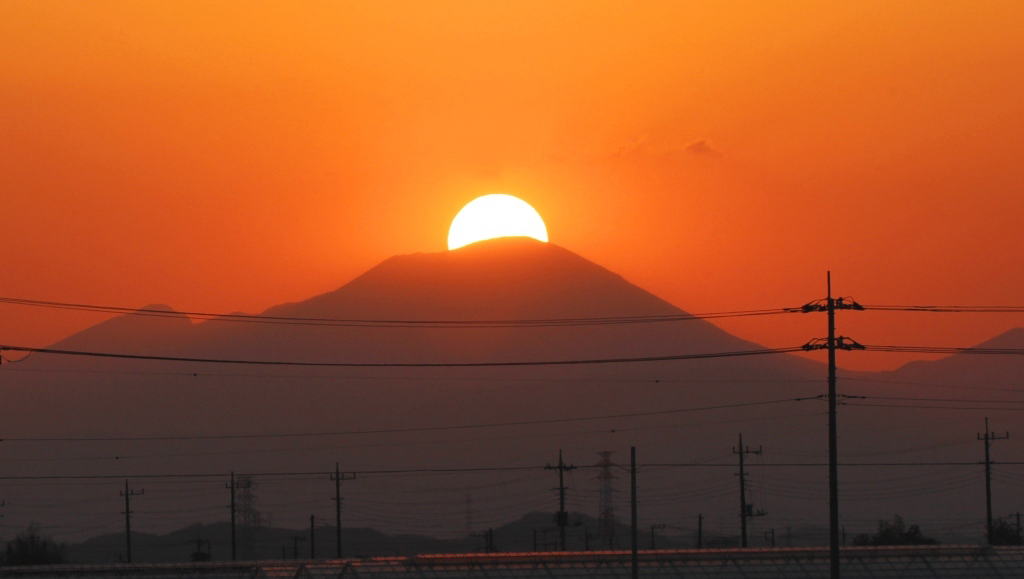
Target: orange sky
x=228, y=156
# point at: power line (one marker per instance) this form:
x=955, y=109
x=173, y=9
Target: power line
x=820, y=464
x=932, y=384
x=511, y=322
x=292, y=449
x=589, y=379
x=414, y=429
x=947, y=309
x=928, y=407
x=573, y=362
x=946, y=350
x=283, y=474
x=348, y=377
x=920, y=399
x=393, y=323
x=313, y=475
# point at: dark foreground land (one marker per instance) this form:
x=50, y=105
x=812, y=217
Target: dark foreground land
x=938, y=561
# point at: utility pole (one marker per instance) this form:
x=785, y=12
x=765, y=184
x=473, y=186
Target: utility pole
x=128, y=493
x=295, y=545
x=234, y=543
x=988, y=437
x=746, y=509
x=832, y=343
x=634, y=556
x=198, y=554
x=312, y=537
x=337, y=477
x=489, y=541
x=655, y=527
x=561, y=517
x=232, y=486
x=769, y=537
x=700, y=531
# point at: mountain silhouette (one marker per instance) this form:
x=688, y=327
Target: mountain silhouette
x=995, y=370
x=504, y=279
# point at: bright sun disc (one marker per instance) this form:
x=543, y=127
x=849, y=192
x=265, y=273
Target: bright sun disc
x=495, y=215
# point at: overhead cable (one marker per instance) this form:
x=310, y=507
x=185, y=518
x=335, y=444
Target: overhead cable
x=573, y=362
x=947, y=350
x=478, y=469
x=947, y=309
x=415, y=429
x=393, y=323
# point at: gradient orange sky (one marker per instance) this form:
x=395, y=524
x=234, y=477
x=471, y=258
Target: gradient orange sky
x=227, y=156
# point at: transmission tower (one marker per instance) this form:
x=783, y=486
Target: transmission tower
x=606, y=507
x=248, y=515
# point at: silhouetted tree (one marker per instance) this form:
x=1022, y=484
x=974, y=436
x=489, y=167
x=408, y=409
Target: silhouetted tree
x=31, y=548
x=1003, y=533
x=894, y=532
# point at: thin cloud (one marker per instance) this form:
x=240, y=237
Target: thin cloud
x=703, y=149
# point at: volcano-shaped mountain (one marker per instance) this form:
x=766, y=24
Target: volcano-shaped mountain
x=508, y=279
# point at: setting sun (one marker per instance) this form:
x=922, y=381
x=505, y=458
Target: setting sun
x=495, y=215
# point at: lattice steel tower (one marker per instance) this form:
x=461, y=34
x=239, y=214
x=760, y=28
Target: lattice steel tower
x=606, y=508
